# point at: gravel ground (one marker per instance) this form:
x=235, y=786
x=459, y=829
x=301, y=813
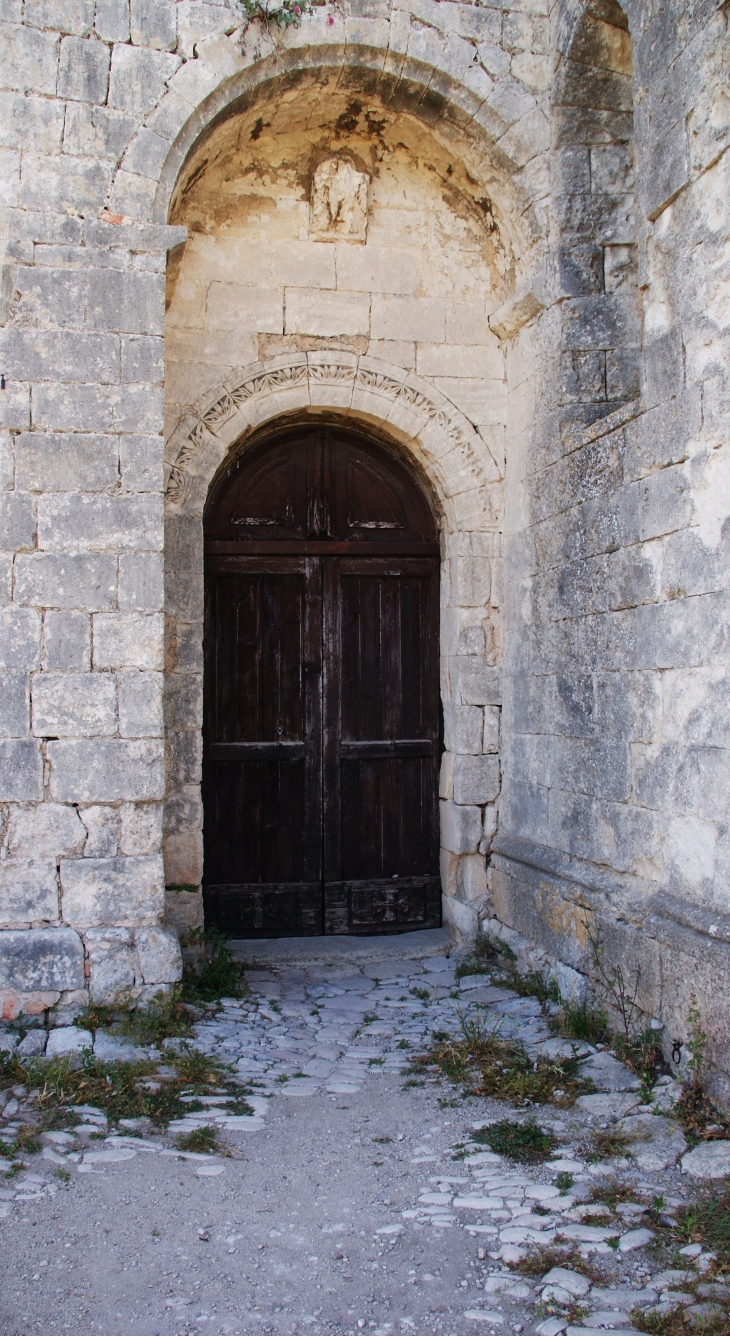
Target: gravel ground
x=345, y=1206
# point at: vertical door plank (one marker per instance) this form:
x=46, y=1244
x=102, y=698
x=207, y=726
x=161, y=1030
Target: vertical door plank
x=262, y=757
x=382, y=744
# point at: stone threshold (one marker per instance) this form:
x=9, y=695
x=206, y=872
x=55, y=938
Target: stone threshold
x=417, y=945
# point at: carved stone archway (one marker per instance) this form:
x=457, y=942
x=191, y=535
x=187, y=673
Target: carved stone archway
x=444, y=443
x=467, y=484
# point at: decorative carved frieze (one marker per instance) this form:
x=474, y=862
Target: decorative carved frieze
x=450, y=422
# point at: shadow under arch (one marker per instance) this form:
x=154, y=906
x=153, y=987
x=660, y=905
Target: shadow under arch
x=455, y=115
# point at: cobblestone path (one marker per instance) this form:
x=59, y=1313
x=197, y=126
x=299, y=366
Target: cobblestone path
x=356, y=1199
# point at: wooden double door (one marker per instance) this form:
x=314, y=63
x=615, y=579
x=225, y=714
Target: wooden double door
x=322, y=718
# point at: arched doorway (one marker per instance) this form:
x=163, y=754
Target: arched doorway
x=321, y=701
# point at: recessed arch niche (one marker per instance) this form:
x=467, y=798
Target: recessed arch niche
x=390, y=334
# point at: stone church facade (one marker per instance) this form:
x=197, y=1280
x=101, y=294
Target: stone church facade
x=496, y=237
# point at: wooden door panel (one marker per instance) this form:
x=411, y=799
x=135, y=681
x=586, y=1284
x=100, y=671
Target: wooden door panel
x=386, y=817
x=259, y=624
x=251, y=804
x=364, y=907
x=381, y=743
x=262, y=745
x=386, y=682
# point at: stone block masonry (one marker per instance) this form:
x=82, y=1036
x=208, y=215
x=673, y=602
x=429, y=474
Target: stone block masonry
x=83, y=643
x=532, y=311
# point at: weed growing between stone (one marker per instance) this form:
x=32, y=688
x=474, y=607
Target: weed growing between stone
x=675, y=1323
x=121, y=1090
x=577, y=1020
x=286, y=14
x=481, y=960
x=707, y=1221
x=499, y=961
x=165, y=1017
x=24, y=1140
x=542, y=1260
x=612, y=1192
x=170, y=1015
x=606, y=1145
x=526, y=1142
x=701, y=1119
x=203, y=1141
x=642, y=1053
x=217, y=974
x=491, y=1066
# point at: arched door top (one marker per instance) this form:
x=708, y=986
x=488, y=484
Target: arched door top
x=319, y=484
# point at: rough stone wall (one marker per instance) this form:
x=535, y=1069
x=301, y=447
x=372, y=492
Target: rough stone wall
x=82, y=630
x=615, y=802
x=598, y=137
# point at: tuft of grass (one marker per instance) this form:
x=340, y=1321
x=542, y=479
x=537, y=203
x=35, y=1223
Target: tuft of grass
x=218, y=974
x=642, y=1053
x=611, y=1194
x=62, y=1174
x=481, y=959
x=606, y=1145
x=203, y=1141
x=500, y=1068
x=579, y=1021
x=421, y=993
x=196, y=1068
x=526, y=1142
x=97, y=1017
x=164, y=1017
x=25, y=1141
x=120, y=1089
x=543, y=1259
x=675, y=1323
x=530, y=985
x=707, y=1221
x=697, y=1113
x=564, y=1181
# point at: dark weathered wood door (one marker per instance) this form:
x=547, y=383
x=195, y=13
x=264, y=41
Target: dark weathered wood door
x=322, y=720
